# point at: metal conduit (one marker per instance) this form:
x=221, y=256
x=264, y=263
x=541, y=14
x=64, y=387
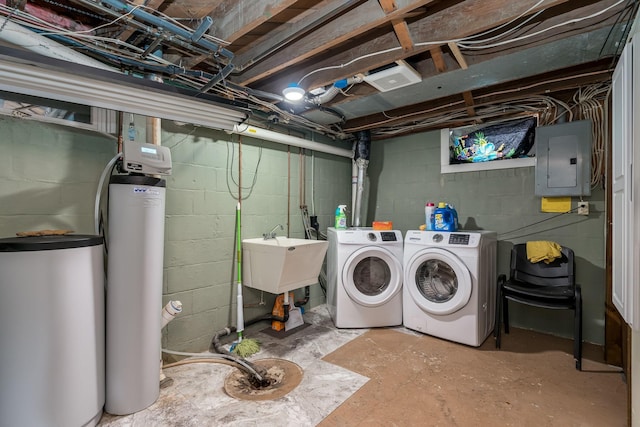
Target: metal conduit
x=193, y=36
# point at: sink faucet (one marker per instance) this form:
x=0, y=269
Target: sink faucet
x=272, y=233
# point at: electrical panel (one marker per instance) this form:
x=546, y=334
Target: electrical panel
x=563, y=159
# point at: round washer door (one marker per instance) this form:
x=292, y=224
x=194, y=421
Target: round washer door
x=372, y=276
x=438, y=281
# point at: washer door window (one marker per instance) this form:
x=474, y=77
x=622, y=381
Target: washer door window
x=372, y=276
x=438, y=281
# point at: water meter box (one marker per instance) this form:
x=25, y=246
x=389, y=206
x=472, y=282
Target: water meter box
x=563, y=159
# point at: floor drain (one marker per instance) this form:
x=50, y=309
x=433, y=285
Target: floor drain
x=283, y=375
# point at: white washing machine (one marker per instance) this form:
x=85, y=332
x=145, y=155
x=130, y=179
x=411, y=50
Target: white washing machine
x=449, y=287
x=364, y=277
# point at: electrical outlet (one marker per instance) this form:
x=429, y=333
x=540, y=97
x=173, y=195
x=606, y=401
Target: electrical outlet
x=583, y=208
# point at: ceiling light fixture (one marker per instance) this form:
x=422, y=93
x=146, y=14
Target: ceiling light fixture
x=293, y=92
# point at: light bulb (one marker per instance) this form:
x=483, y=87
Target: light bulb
x=293, y=92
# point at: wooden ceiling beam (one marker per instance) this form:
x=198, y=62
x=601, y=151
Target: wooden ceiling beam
x=366, y=17
x=401, y=30
x=444, y=25
x=263, y=47
x=548, y=84
x=151, y=4
x=388, y=5
x=458, y=55
x=400, y=27
x=469, y=102
x=236, y=18
x=438, y=59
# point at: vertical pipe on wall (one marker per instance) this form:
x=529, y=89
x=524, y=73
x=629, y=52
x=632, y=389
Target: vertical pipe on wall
x=354, y=189
x=361, y=156
x=288, y=190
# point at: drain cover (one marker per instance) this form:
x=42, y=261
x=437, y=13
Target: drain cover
x=283, y=375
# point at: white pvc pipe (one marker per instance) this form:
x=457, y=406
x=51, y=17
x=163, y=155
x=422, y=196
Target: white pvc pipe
x=354, y=189
x=170, y=311
x=281, y=138
x=362, y=165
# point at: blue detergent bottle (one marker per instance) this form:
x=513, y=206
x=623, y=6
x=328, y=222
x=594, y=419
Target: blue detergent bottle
x=444, y=218
x=456, y=225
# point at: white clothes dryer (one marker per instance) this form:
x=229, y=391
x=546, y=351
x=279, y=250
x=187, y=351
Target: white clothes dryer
x=449, y=288
x=364, y=277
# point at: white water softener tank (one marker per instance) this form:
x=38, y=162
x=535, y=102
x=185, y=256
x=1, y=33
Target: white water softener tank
x=135, y=243
x=52, y=330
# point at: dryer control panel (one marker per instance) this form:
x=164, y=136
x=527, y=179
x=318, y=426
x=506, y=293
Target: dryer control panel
x=469, y=239
x=459, y=239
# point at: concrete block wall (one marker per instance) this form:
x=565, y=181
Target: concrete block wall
x=202, y=195
x=404, y=173
x=49, y=175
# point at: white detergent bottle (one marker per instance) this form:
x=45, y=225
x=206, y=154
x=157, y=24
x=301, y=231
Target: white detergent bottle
x=429, y=210
x=341, y=217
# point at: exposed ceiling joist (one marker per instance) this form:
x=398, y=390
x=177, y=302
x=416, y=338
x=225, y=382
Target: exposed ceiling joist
x=463, y=55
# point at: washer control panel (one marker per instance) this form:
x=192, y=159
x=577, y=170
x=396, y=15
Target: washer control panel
x=388, y=236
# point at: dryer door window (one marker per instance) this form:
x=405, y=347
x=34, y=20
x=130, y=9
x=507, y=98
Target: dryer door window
x=438, y=281
x=372, y=276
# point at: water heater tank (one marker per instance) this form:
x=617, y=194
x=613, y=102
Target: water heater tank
x=52, y=359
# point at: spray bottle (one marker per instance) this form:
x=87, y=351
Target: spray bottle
x=341, y=217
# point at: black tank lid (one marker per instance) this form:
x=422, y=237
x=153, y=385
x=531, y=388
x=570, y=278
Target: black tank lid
x=138, y=180
x=48, y=243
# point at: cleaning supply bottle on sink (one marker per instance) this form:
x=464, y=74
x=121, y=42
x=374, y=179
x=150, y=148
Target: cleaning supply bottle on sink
x=341, y=217
x=444, y=218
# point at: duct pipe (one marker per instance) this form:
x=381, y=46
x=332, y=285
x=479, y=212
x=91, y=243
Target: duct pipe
x=281, y=138
x=51, y=17
x=361, y=156
x=27, y=39
x=335, y=89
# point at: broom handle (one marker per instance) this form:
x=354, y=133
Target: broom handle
x=240, y=315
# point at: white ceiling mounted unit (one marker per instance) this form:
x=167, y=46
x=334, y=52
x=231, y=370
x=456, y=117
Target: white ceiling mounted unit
x=396, y=76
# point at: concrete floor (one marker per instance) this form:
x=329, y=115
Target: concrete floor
x=396, y=377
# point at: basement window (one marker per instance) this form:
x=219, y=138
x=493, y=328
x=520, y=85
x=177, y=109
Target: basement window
x=488, y=146
x=58, y=112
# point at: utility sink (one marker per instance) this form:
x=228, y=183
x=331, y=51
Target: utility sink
x=281, y=264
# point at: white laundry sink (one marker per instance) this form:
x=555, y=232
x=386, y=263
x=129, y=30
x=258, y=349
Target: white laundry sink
x=281, y=264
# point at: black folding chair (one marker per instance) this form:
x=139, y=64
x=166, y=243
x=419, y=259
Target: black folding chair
x=541, y=285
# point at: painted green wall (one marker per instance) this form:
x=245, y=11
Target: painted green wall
x=49, y=175
x=404, y=173
x=201, y=204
